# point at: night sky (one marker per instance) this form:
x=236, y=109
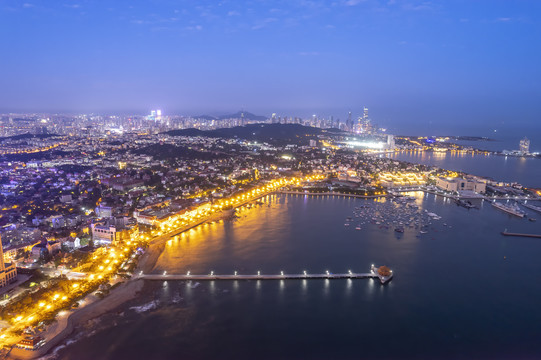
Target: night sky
x=413, y=62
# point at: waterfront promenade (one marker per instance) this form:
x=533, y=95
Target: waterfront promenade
x=331, y=193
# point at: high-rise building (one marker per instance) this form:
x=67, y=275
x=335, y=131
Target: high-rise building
x=390, y=142
x=8, y=271
x=524, y=146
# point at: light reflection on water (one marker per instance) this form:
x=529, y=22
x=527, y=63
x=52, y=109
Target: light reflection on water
x=460, y=292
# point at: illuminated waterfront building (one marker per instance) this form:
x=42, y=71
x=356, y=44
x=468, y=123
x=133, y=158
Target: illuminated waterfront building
x=400, y=179
x=524, y=146
x=458, y=184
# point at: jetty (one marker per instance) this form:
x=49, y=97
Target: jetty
x=374, y=273
x=505, y=233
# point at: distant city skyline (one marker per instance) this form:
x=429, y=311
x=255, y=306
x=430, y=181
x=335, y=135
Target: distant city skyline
x=413, y=63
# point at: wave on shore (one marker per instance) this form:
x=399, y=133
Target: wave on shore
x=146, y=307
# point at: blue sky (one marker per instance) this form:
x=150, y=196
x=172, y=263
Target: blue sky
x=410, y=62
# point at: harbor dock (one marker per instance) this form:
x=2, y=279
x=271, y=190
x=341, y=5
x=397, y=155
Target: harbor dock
x=505, y=233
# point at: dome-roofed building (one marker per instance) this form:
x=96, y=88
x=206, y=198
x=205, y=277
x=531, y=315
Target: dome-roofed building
x=384, y=271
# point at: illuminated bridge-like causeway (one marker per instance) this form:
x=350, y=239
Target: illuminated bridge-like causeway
x=282, y=276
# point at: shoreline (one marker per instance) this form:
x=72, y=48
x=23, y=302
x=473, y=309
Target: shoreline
x=128, y=290
x=125, y=292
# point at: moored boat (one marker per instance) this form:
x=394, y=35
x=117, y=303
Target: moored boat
x=510, y=209
x=532, y=207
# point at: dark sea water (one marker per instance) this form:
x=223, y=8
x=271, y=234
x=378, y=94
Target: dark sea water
x=526, y=171
x=461, y=291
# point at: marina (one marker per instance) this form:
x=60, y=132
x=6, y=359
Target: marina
x=398, y=213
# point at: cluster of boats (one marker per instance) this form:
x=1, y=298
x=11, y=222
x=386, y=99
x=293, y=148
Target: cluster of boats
x=396, y=213
x=515, y=210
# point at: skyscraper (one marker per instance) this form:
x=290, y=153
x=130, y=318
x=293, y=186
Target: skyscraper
x=390, y=142
x=524, y=146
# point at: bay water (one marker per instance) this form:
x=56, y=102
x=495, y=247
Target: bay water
x=461, y=290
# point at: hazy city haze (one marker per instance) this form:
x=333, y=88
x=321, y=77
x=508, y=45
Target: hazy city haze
x=411, y=62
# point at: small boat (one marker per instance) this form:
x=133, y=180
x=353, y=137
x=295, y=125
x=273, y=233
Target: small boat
x=358, y=228
x=399, y=230
x=532, y=219
x=346, y=224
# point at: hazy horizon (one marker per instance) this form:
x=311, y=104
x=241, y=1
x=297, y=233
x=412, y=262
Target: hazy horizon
x=412, y=63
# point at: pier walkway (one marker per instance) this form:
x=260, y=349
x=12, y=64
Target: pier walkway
x=282, y=276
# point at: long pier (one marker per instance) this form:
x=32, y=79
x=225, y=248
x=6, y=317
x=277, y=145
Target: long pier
x=282, y=276
x=505, y=233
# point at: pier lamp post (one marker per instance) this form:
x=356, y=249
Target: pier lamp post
x=327, y=271
x=350, y=272
x=304, y=272
x=188, y=273
x=235, y=273
x=258, y=273
x=282, y=273
x=212, y=273
x=165, y=273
